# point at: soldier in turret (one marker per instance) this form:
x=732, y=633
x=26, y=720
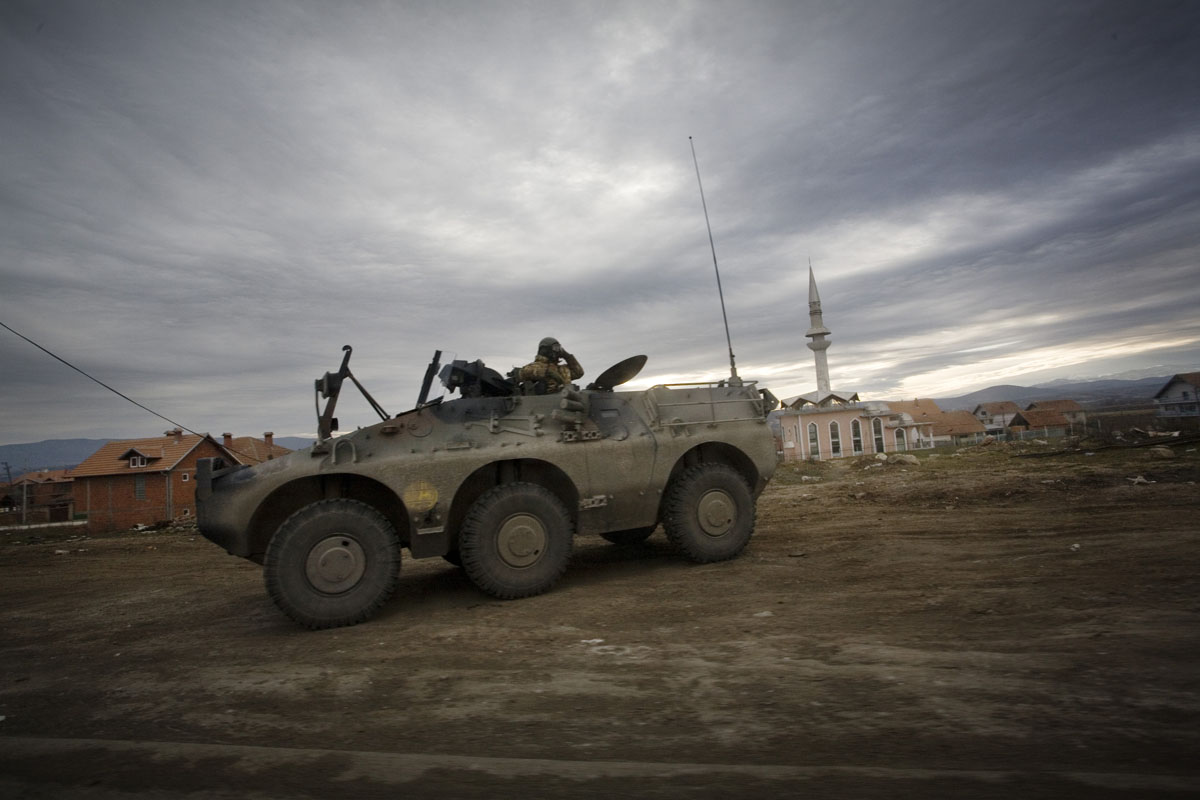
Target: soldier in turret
x=546, y=370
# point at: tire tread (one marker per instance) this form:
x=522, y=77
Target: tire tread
x=473, y=548
x=680, y=512
x=276, y=550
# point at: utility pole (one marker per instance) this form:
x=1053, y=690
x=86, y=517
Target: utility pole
x=24, y=493
x=8, y=470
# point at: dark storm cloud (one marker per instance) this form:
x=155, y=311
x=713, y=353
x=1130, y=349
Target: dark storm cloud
x=202, y=202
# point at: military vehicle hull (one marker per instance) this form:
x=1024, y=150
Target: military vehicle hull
x=498, y=484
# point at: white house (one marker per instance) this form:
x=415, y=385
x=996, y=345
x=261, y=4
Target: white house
x=1179, y=397
x=996, y=416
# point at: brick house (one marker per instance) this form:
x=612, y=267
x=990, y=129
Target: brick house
x=142, y=481
x=996, y=416
x=38, y=497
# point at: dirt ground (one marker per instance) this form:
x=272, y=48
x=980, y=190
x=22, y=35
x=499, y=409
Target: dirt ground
x=979, y=626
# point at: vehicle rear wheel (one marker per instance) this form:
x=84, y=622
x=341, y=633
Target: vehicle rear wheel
x=709, y=513
x=629, y=537
x=516, y=540
x=332, y=563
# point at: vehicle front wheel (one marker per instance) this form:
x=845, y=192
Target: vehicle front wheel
x=332, y=563
x=709, y=513
x=516, y=540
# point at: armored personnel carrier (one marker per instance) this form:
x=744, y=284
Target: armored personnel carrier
x=499, y=480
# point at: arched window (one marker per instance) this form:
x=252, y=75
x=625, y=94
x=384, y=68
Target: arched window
x=856, y=437
x=877, y=429
x=901, y=440
x=835, y=440
x=814, y=444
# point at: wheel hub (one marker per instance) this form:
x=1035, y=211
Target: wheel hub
x=335, y=564
x=716, y=512
x=522, y=540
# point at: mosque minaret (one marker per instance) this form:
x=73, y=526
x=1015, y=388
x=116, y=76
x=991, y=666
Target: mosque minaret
x=831, y=423
x=817, y=333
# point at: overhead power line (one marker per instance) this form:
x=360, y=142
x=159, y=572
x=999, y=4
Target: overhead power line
x=97, y=380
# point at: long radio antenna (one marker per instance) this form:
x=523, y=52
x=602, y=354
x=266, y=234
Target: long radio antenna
x=734, y=379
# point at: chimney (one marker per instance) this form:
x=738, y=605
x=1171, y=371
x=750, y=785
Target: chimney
x=176, y=434
x=228, y=440
x=269, y=438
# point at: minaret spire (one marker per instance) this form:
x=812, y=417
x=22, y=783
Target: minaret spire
x=817, y=333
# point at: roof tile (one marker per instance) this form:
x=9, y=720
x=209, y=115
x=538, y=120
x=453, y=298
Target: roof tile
x=1054, y=405
x=248, y=450
x=999, y=407
x=957, y=423
x=1040, y=418
x=166, y=452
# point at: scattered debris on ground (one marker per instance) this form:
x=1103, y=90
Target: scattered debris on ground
x=970, y=625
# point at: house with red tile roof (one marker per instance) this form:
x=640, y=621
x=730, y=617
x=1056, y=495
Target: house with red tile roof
x=958, y=427
x=38, y=497
x=946, y=427
x=250, y=451
x=1039, y=422
x=920, y=409
x=142, y=481
x=1068, y=408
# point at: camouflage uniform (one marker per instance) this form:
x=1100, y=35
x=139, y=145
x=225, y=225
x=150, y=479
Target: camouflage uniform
x=555, y=375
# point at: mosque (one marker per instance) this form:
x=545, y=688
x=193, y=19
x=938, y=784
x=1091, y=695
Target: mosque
x=831, y=423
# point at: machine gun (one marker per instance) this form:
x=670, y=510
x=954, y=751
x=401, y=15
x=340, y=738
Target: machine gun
x=328, y=387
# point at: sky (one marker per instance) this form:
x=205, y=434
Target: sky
x=202, y=202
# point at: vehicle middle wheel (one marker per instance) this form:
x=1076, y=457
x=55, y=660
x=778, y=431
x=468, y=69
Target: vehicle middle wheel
x=332, y=563
x=516, y=540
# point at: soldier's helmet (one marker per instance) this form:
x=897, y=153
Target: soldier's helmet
x=548, y=346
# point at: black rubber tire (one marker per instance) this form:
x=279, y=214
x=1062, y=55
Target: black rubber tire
x=332, y=563
x=630, y=537
x=516, y=540
x=709, y=513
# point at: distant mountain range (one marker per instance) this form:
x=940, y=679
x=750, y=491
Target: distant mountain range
x=64, y=453
x=1089, y=394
